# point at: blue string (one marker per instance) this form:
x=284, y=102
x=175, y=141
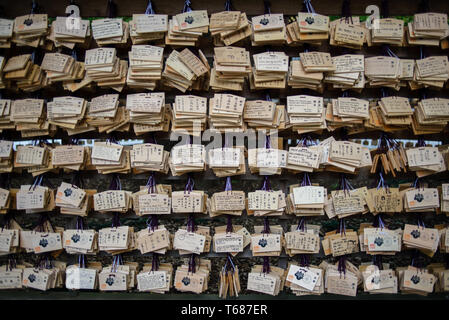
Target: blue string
x=228, y=184
x=187, y=7
x=309, y=6
x=228, y=5
x=267, y=7
x=149, y=9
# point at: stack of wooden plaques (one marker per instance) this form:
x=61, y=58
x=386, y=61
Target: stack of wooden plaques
x=6, y=157
x=197, y=280
x=27, y=195
x=103, y=110
x=266, y=203
x=383, y=71
x=29, y=115
x=344, y=156
x=306, y=113
x=72, y=200
x=148, y=27
x=187, y=158
x=395, y=111
x=108, y=157
x=149, y=157
x=231, y=66
x=66, y=112
x=262, y=114
x=349, y=72
x=110, y=31
x=184, y=29
x=145, y=278
x=269, y=71
x=145, y=66
x=6, y=29
x=430, y=115
x=229, y=27
x=268, y=29
x=348, y=33
x=307, y=200
x=386, y=31
x=103, y=66
x=298, y=78
x=69, y=31
x=309, y=27
x=227, y=202
x=427, y=29
x=347, y=111
x=5, y=120
x=226, y=162
x=189, y=114
x=27, y=75
x=59, y=67
x=425, y=160
x=432, y=71
x=226, y=113
x=70, y=157
x=146, y=108
x=30, y=30
x=185, y=71
x=32, y=158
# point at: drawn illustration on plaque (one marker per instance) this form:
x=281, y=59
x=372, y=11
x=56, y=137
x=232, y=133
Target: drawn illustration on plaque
x=263, y=243
x=186, y=281
x=379, y=241
x=43, y=243
x=419, y=197
x=299, y=275
x=415, y=279
x=75, y=238
x=189, y=19
x=110, y=280
x=28, y=22
x=416, y=234
x=32, y=277
x=68, y=192
x=264, y=21
x=310, y=20
x=375, y=280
